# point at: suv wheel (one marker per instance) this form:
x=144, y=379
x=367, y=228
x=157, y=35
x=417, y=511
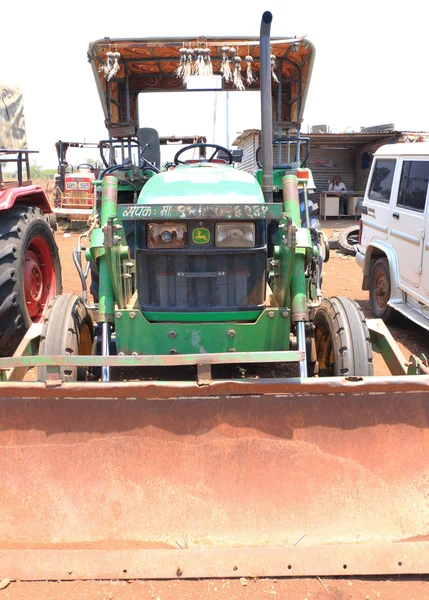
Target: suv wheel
x=380, y=290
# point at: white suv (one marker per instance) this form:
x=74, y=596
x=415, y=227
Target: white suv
x=394, y=239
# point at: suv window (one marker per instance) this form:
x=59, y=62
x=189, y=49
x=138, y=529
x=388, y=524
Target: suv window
x=381, y=182
x=413, y=186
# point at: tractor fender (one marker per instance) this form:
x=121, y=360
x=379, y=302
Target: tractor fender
x=31, y=195
x=377, y=249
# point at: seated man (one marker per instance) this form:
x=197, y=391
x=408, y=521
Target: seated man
x=337, y=185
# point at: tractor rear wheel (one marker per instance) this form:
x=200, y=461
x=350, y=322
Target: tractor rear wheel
x=30, y=273
x=342, y=339
x=68, y=330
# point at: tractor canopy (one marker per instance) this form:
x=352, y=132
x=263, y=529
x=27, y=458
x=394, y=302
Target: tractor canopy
x=123, y=68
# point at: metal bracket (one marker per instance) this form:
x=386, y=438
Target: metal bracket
x=204, y=374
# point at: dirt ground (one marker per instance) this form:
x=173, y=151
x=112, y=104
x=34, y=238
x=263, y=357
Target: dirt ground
x=224, y=589
x=342, y=277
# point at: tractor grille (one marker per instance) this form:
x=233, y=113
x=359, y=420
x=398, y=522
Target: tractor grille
x=201, y=277
x=79, y=198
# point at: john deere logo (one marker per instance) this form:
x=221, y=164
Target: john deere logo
x=201, y=235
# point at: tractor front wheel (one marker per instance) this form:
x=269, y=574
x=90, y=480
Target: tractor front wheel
x=30, y=273
x=342, y=340
x=68, y=330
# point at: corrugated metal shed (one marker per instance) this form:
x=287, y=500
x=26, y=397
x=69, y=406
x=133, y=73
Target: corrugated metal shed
x=249, y=142
x=346, y=154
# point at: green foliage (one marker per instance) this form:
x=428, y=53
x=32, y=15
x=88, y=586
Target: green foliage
x=38, y=172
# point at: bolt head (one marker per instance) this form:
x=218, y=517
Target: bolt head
x=118, y=315
x=285, y=314
x=172, y=335
x=132, y=315
x=231, y=333
x=173, y=351
x=232, y=350
x=271, y=314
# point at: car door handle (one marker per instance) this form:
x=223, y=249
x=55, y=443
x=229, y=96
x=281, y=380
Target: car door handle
x=395, y=215
x=371, y=212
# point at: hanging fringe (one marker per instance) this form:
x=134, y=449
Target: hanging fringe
x=181, y=68
x=208, y=67
x=273, y=66
x=225, y=68
x=111, y=66
x=238, y=81
x=249, y=74
x=107, y=65
x=187, y=71
x=114, y=70
x=199, y=63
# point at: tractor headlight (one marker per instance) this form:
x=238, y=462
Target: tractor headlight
x=235, y=235
x=167, y=235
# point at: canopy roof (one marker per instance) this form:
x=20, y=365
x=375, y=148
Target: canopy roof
x=146, y=65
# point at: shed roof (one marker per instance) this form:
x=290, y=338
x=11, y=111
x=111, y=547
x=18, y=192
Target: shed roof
x=347, y=140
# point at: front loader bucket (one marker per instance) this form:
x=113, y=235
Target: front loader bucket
x=231, y=479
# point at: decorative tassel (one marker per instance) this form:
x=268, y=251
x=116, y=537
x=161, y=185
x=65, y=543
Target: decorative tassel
x=238, y=82
x=107, y=65
x=273, y=66
x=199, y=62
x=181, y=68
x=188, y=65
x=208, y=67
x=249, y=74
x=114, y=70
x=225, y=68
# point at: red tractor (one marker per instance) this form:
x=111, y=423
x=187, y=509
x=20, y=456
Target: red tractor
x=74, y=191
x=30, y=271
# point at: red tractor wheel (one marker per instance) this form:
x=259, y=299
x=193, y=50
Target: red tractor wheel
x=30, y=273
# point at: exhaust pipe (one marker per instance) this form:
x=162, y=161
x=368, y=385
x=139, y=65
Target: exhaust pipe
x=266, y=107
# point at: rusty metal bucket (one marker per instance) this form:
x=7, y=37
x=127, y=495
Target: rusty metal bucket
x=151, y=480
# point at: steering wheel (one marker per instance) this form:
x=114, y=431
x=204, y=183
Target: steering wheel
x=87, y=165
x=210, y=159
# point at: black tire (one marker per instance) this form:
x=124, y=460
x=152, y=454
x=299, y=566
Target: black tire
x=380, y=291
x=68, y=330
x=348, y=240
x=24, y=232
x=342, y=339
x=52, y=220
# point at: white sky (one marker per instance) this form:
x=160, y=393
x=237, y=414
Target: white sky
x=370, y=67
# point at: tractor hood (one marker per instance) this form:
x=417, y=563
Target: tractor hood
x=200, y=184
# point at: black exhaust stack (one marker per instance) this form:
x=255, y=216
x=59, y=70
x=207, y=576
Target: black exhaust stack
x=266, y=108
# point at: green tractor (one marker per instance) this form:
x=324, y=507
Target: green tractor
x=203, y=262
x=210, y=410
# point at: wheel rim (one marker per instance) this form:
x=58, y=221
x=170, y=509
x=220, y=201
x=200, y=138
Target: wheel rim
x=39, y=278
x=85, y=341
x=352, y=238
x=381, y=290
x=325, y=352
